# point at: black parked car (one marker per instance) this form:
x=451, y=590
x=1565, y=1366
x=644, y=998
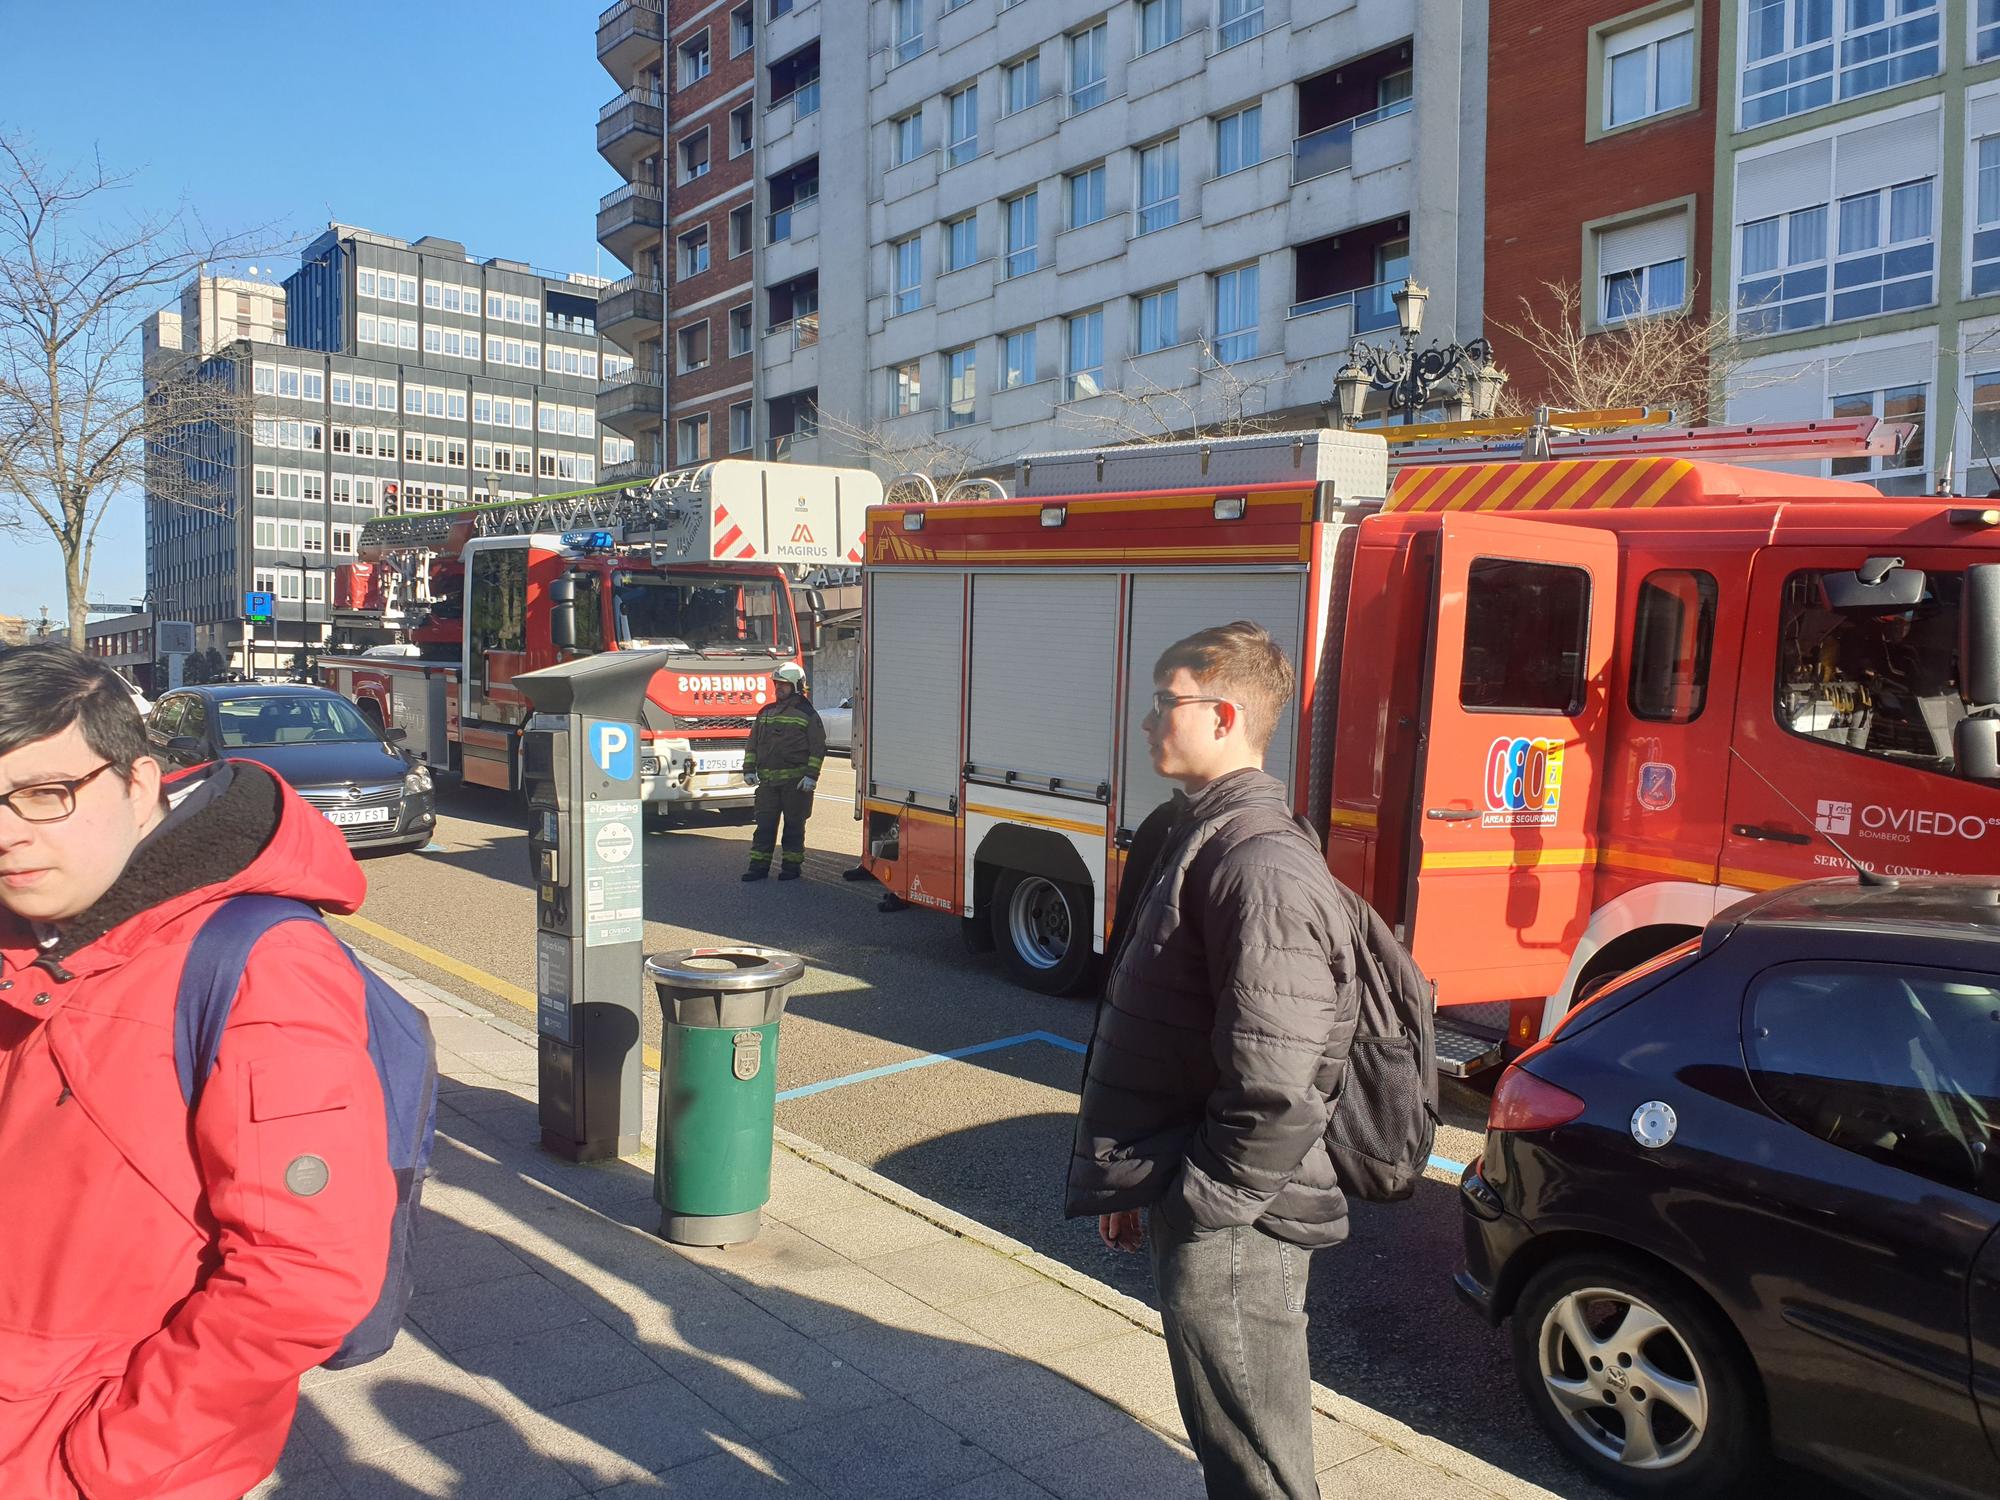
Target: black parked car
x=335, y=757
x=1745, y=1202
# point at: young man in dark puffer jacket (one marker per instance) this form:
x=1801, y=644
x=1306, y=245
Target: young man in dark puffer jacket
x=1221, y=1045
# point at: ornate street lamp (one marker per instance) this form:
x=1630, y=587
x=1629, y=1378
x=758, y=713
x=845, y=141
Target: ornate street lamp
x=1411, y=379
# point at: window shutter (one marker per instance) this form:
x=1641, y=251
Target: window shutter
x=1882, y=155
x=1783, y=180
x=1982, y=115
x=1882, y=369
x=1630, y=246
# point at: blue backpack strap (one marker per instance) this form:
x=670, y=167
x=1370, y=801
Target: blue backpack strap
x=209, y=978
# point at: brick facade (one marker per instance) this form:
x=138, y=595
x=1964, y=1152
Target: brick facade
x=706, y=203
x=1546, y=178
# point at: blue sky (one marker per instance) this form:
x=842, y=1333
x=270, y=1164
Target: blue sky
x=474, y=122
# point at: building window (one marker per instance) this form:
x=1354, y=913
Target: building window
x=961, y=242
x=694, y=60
x=740, y=233
x=1641, y=268
x=1790, y=49
x=1238, y=21
x=1084, y=341
x=1159, y=320
x=1886, y=253
x=962, y=144
x=1017, y=359
x=961, y=386
x=1236, y=315
x=1088, y=51
x=694, y=252
x=740, y=337
x=1648, y=69
x=906, y=138
x=1904, y=473
x=906, y=388
x=691, y=343
x=1781, y=272
x=1239, y=140
x=742, y=30
x=1159, y=23
x=1986, y=223
x=908, y=256
x=906, y=29
x=1986, y=31
x=1022, y=234
x=694, y=156
x=742, y=129
x=739, y=428
x=1159, y=186
x=1086, y=196
x=1024, y=83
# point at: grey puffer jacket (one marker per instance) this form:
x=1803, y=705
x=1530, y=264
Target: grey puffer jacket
x=1222, y=1037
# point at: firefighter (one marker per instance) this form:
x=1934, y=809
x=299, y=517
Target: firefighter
x=786, y=747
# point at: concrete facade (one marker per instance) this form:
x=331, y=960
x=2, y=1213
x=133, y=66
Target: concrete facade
x=1860, y=234
x=383, y=393
x=1593, y=184
x=214, y=311
x=1365, y=161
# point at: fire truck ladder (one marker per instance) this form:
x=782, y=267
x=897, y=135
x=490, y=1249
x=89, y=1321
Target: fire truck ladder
x=630, y=513
x=1768, y=442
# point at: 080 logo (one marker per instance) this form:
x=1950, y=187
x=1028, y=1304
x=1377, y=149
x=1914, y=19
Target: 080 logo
x=1523, y=782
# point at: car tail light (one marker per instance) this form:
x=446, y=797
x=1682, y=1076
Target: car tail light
x=1521, y=1101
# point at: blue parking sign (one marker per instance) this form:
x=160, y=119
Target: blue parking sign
x=612, y=747
x=257, y=606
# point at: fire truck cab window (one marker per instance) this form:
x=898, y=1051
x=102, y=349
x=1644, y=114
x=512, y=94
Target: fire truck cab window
x=1526, y=627
x=1878, y=684
x=709, y=613
x=1673, y=634
x=499, y=600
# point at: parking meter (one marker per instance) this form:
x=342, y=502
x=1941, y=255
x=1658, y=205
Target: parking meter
x=580, y=756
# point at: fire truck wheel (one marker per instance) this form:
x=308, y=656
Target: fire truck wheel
x=1042, y=930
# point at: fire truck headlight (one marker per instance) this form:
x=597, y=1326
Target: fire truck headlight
x=649, y=765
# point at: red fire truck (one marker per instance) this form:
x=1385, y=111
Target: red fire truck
x=1552, y=715
x=692, y=567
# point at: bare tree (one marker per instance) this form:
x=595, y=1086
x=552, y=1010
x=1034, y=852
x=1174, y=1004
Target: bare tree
x=1218, y=402
x=79, y=427
x=895, y=453
x=1680, y=361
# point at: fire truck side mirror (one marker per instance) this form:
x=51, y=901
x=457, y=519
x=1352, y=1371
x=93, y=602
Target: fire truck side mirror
x=1979, y=638
x=562, y=613
x=807, y=612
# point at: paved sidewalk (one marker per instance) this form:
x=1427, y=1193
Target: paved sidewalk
x=868, y=1343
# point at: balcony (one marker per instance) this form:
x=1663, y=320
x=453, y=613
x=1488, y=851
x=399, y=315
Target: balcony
x=629, y=218
x=627, y=307
x=632, y=405
x=630, y=37
x=631, y=128
x=628, y=471
x=1374, y=306
x=1330, y=149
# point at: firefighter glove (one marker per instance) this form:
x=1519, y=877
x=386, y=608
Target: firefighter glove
x=806, y=784
x=749, y=778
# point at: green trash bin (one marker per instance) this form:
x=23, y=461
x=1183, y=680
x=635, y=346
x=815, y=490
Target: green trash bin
x=720, y=1009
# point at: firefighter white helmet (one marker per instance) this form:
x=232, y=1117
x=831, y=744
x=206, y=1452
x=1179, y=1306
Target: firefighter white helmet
x=791, y=672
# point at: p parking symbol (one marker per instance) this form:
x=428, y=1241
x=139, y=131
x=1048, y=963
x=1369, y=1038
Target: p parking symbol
x=612, y=750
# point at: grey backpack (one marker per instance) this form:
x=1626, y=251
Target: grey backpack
x=1384, y=1122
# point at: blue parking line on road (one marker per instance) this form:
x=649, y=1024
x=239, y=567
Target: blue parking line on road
x=908, y=1064
x=1446, y=1164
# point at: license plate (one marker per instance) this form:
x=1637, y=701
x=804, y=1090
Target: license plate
x=348, y=817
x=719, y=760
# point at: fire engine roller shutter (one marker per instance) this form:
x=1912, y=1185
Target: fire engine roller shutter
x=1044, y=660
x=1168, y=606
x=914, y=668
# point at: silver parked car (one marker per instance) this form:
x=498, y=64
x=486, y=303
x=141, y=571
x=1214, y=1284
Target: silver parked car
x=839, y=724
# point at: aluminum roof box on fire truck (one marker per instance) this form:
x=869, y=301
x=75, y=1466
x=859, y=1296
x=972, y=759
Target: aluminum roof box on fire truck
x=1354, y=465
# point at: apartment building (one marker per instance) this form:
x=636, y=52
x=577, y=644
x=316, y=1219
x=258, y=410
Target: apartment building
x=682, y=134
x=406, y=375
x=1601, y=124
x=213, y=311
x=1858, y=223
x=1019, y=226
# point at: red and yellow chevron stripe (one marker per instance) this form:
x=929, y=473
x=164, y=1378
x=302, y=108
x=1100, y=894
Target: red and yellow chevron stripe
x=1574, y=484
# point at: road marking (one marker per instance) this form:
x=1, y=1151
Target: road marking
x=926, y=1060
x=1446, y=1164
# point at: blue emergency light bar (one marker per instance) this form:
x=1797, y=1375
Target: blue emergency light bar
x=589, y=541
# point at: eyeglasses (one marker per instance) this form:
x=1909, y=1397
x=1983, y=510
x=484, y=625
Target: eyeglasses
x=1165, y=703
x=49, y=801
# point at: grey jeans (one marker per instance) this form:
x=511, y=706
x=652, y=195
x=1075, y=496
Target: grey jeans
x=1234, y=1305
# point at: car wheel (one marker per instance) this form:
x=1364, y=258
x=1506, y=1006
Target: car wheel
x=1042, y=929
x=1638, y=1378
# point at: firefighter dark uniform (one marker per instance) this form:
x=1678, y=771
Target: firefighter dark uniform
x=787, y=744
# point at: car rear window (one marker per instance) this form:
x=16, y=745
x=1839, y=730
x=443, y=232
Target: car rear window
x=1897, y=1064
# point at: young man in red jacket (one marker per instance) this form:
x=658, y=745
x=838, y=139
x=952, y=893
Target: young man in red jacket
x=166, y=1274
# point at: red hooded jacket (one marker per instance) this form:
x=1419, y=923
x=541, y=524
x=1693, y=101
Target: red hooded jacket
x=161, y=1288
